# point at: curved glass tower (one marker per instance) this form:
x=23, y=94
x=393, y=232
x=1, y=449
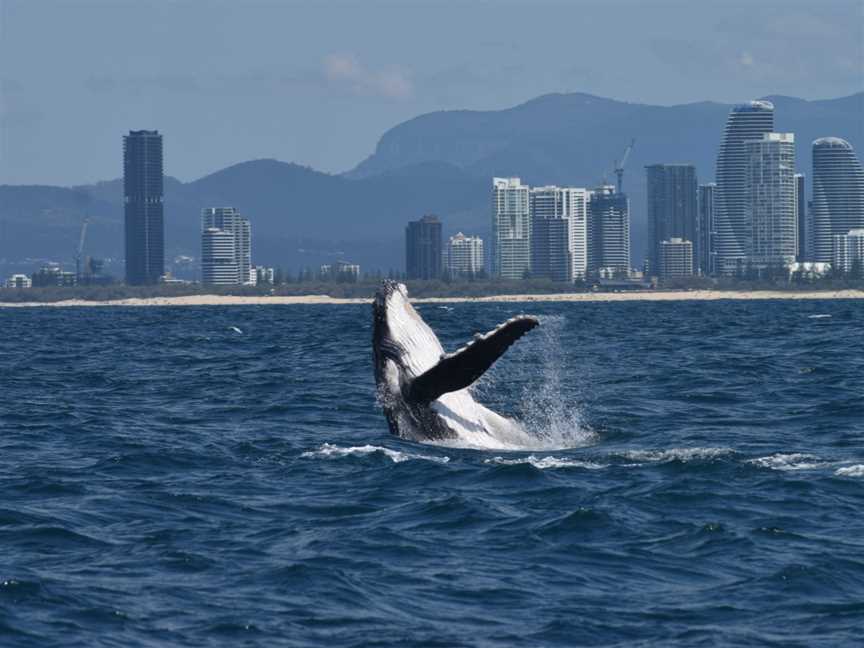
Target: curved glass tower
x=838, y=194
x=734, y=231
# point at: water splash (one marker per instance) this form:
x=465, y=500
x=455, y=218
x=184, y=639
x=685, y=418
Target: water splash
x=553, y=421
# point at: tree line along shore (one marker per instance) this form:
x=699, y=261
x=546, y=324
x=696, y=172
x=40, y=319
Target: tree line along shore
x=365, y=289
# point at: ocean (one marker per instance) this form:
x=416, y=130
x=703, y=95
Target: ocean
x=209, y=476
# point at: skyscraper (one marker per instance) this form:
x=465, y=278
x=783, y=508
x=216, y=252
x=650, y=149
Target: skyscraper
x=464, y=256
x=771, y=207
x=559, y=232
x=423, y=248
x=801, y=217
x=838, y=194
x=608, y=232
x=705, y=230
x=221, y=227
x=144, y=216
x=511, y=228
x=734, y=231
x=672, y=207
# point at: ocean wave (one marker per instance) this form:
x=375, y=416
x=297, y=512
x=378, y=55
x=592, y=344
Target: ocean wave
x=683, y=455
x=546, y=462
x=790, y=461
x=332, y=451
x=851, y=471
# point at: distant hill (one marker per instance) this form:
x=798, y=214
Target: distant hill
x=439, y=163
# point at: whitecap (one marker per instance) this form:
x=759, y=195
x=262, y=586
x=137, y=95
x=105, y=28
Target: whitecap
x=543, y=463
x=819, y=316
x=328, y=450
x=851, y=471
x=790, y=461
x=676, y=454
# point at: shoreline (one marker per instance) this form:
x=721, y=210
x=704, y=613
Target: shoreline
x=281, y=300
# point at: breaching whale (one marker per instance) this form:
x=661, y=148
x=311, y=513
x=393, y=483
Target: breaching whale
x=422, y=390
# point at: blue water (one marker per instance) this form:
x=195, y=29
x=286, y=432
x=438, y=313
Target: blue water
x=167, y=480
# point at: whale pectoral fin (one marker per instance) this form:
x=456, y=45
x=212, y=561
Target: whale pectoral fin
x=460, y=369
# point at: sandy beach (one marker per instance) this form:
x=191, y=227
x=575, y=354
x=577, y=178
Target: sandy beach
x=261, y=300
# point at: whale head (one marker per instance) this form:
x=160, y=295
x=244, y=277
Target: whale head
x=423, y=390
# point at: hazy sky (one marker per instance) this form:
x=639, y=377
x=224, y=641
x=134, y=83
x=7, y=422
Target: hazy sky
x=318, y=82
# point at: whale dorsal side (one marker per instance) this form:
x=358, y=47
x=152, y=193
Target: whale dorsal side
x=461, y=368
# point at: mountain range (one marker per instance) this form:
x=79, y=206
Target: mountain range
x=439, y=163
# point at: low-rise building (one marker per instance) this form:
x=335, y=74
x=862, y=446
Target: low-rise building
x=52, y=275
x=463, y=256
x=19, y=281
x=340, y=271
x=676, y=258
x=849, y=252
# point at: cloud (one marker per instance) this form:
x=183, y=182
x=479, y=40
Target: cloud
x=347, y=71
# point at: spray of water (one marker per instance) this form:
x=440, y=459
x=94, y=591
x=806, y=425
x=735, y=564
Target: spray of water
x=548, y=409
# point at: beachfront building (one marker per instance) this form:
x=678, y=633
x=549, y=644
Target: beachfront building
x=143, y=209
x=734, y=231
x=675, y=259
x=849, y=253
x=559, y=232
x=511, y=228
x=19, y=281
x=771, y=208
x=423, y=248
x=672, y=192
x=704, y=254
x=838, y=195
x=226, y=247
x=804, y=235
x=341, y=271
x=463, y=256
x=608, y=233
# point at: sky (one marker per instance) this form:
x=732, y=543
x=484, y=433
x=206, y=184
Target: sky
x=318, y=82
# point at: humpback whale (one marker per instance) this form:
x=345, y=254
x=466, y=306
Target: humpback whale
x=423, y=390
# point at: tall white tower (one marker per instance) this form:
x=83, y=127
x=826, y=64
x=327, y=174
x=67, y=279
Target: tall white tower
x=771, y=208
x=511, y=228
x=733, y=229
x=838, y=195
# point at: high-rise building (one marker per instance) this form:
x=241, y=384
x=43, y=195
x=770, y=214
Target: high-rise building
x=144, y=216
x=511, y=228
x=771, y=207
x=801, y=217
x=704, y=259
x=464, y=256
x=672, y=207
x=559, y=232
x=734, y=231
x=423, y=248
x=838, y=195
x=226, y=247
x=676, y=259
x=608, y=232
x=849, y=252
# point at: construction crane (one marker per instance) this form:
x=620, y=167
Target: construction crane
x=80, y=249
x=619, y=166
